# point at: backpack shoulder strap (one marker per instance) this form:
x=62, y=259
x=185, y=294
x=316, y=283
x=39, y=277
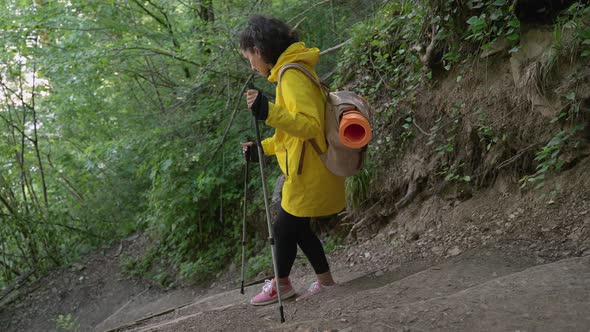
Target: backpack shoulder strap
x=325, y=91
x=306, y=72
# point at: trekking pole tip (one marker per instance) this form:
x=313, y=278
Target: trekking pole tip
x=282, y=314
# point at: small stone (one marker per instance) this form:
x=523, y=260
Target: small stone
x=541, y=260
x=367, y=255
x=78, y=267
x=379, y=273
x=437, y=250
x=454, y=252
x=133, y=237
x=344, y=320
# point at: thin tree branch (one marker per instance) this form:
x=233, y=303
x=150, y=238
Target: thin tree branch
x=335, y=48
x=71, y=29
x=419, y=128
x=147, y=11
x=6, y=204
x=21, y=158
x=19, y=282
x=233, y=116
x=10, y=124
x=35, y=133
x=76, y=229
x=153, y=82
x=160, y=52
x=515, y=157
x=308, y=9
x=69, y=185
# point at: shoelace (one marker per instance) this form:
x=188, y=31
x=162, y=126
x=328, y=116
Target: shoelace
x=314, y=285
x=267, y=288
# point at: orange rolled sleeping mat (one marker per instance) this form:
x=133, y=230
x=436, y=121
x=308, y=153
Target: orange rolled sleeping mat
x=354, y=130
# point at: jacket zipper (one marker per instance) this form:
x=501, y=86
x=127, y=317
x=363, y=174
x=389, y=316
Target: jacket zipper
x=300, y=165
x=287, y=160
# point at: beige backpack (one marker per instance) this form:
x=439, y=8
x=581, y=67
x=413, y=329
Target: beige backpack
x=341, y=160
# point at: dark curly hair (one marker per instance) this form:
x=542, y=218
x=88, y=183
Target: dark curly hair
x=270, y=35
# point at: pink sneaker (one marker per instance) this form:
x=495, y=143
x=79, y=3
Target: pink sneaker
x=269, y=293
x=315, y=288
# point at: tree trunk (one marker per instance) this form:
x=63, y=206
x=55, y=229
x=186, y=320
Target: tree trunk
x=36, y=138
x=205, y=10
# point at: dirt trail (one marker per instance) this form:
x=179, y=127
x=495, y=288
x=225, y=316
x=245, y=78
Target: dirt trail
x=483, y=290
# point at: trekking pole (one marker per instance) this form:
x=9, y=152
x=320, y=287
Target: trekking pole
x=244, y=222
x=269, y=224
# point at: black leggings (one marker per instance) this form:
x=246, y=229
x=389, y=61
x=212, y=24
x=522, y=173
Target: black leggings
x=290, y=231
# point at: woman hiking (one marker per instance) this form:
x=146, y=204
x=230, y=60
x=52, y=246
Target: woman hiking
x=310, y=189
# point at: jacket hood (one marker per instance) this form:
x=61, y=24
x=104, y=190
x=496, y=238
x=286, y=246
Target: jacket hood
x=297, y=52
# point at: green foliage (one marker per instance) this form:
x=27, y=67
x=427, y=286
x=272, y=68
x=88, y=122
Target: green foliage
x=443, y=134
x=358, y=187
x=486, y=133
x=407, y=126
x=575, y=21
x=495, y=20
x=487, y=136
x=453, y=173
x=380, y=54
x=259, y=263
x=548, y=158
x=138, y=267
x=325, y=24
x=455, y=27
x=334, y=243
x=570, y=113
x=66, y=323
x=443, y=137
x=124, y=117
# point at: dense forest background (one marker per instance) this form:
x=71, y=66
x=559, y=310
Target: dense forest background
x=118, y=117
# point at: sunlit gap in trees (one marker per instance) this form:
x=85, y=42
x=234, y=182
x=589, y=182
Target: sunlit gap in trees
x=19, y=90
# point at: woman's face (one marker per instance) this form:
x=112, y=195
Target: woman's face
x=256, y=61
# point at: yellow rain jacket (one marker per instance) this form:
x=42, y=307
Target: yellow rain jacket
x=310, y=189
